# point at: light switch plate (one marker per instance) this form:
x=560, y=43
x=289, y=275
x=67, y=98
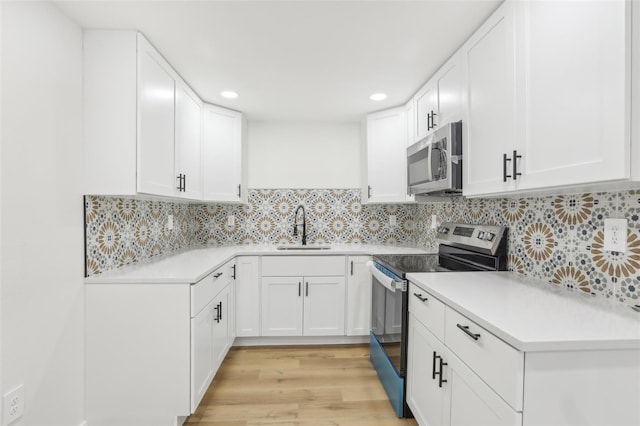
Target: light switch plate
x=615, y=235
x=170, y=222
x=434, y=221
x=392, y=220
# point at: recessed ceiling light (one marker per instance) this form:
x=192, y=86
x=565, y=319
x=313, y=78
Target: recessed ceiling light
x=229, y=94
x=378, y=97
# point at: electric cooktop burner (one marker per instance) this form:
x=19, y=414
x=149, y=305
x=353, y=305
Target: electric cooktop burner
x=402, y=264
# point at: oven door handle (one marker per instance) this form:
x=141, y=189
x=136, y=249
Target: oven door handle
x=386, y=281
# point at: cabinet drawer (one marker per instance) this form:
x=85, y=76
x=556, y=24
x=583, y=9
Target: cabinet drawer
x=427, y=309
x=207, y=288
x=290, y=266
x=498, y=364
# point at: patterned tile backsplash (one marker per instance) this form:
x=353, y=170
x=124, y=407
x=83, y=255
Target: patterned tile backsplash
x=121, y=231
x=558, y=239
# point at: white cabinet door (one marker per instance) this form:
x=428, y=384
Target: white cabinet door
x=473, y=402
x=201, y=354
x=410, y=121
x=575, y=94
x=231, y=311
x=358, y=296
x=247, y=296
x=427, y=396
x=282, y=301
x=426, y=109
x=450, y=83
x=324, y=305
x=188, y=143
x=386, y=147
x=222, y=154
x=489, y=130
x=156, y=107
x=221, y=313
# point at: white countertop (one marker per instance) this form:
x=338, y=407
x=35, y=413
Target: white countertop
x=534, y=316
x=190, y=266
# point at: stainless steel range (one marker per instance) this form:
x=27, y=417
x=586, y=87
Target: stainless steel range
x=462, y=247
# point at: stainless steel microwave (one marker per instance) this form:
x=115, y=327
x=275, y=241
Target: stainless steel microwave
x=434, y=164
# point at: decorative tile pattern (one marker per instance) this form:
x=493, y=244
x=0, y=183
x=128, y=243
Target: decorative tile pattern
x=558, y=239
x=122, y=231
x=332, y=216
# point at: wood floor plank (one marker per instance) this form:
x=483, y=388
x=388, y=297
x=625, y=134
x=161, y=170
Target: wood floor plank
x=302, y=386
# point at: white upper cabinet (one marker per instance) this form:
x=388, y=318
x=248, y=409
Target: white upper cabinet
x=385, y=170
x=156, y=131
x=188, y=164
x=439, y=101
x=489, y=129
x=450, y=83
x=547, y=99
x=222, y=155
x=146, y=131
x=573, y=59
x=426, y=109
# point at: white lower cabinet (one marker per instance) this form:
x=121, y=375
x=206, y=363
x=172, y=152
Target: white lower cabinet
x=426, y=395
x=303, y=296
x=303, y=306
x=459, y=373
x=247, y=287
x=323, y=311
x=202, y=359
x=441, y=388
x=212, y=327
x=358, y=296
x=472, y=402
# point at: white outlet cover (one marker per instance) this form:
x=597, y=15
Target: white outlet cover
x=434, y=221
x=170, y=222
x=392, y=220
x=13, y=405
x=231, y=220
x=615, y=235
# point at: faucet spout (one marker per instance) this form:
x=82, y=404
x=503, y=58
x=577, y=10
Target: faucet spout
x=304, y=224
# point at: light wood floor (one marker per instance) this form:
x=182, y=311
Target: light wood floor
x=310, y=385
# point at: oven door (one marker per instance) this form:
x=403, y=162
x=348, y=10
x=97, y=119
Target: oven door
x=389, y=317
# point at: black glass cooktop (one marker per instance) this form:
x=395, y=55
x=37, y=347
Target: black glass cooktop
x=401, y=264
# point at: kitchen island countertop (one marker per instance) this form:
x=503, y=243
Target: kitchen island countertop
x=531, y=315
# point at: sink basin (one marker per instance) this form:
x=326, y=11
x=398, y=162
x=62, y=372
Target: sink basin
x=304, y=248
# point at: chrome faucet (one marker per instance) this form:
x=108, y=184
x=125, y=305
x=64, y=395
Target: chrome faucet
x=304, y=224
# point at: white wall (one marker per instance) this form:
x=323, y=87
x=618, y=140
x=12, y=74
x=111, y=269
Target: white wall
x=42, y=215
x=303, y=155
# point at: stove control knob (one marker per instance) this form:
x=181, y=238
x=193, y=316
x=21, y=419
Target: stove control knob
x=489, y=236
x=481, y=235
x=443, y=230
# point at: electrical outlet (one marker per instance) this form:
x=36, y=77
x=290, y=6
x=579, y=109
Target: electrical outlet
x=615, y=235
x=434, y=221
x=231, y=220
x=392, y=220
x=170, y=222
x=13, y=405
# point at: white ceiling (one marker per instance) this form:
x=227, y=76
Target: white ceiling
x=297, y=60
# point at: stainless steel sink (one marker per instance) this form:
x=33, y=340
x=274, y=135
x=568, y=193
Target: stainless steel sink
x=304, y=248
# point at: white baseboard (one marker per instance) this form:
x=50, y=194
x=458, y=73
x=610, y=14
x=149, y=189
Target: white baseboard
x=299, y=341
